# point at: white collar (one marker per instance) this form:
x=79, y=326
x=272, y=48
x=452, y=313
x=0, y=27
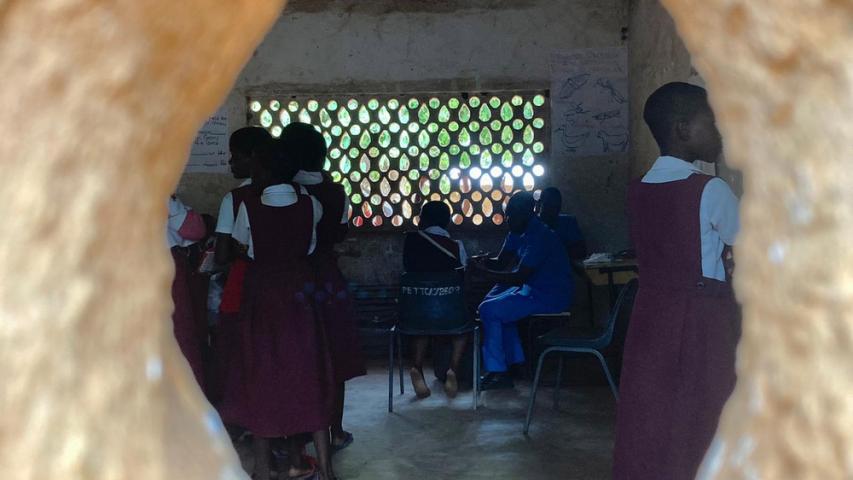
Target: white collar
x=670, y=169
x=308, y=178
x=281, y=195
x=245, y=182
x=436, y=230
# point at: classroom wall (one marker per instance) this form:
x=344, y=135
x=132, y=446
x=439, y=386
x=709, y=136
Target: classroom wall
x=369, y=46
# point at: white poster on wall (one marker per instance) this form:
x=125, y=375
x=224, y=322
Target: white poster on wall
x=209, y=153
x=589, y=101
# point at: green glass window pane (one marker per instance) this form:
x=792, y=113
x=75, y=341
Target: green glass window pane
x=434, y=103
x=518, y=124
x=453, y=103
x=423, y=114
x=325, y=120
x=464, y=160
x=495, y=102
x=507, y=135
x=453, y=126
x=444, y=114
x=464, y=114
x=336, y=177
x=454, y=149
x=474, y=102
x=414, y=150
x=304, y=116
x=423, y=162
x=284, y=118
x=374, y=176
x=486, y=159
x=255, y=106
x=373, y=104
x=485, y=113
x=384, y=139
x=528, y=135
x=365, y=187
x=385, y=187
x=332, y=105
x=506, y=112
x=274, y=105
x=313, y=105
x=434, y=151
x=423, y=183
x=506, y=159
x=394, y=127
x=375, y=128
x=539, y=100
x=443, y=138
x=344, y=166
x=528, y=111
x=434, y=174
x=405, y=187
x=353, y=152
x=464, y=138
x=393, y=104
x=327, y=165
x=337, y=130
x=538, y=123
x=475, y=149
x=373, y=152
x=355, y=176
x=365, y=140
x=352, y=104
x=485, y=137
x=293, y=106
x=343, y=117
x=444, y=185
x=335, y=153
x=393, y=152
x=517, y=147
x=328, y=139
x=356, y=198
x=384, y=163
x=517, y=100
x=404, y=139
x=444, y=161
x=363, y=115
x=384, y=116
x=432, y=128
x=404, y=163
x=414, y=127
x=345, y=141
x=347, y=186
x=414, y=174
x=403, y=116
x=413, y=103
x=496, y=125
x=266, y=118
x=474, y=126
x=538, y=147
x=527, y=159
x=423, y=139
x=355, y=130
x=364, y=164
x=497, y=148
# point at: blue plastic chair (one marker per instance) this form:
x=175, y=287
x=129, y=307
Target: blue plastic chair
x=583, y=340
x=431, y=304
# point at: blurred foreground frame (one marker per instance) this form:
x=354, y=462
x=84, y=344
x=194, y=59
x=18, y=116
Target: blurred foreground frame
x=102, y=99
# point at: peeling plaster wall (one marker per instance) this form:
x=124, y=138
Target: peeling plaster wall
x=378, y=46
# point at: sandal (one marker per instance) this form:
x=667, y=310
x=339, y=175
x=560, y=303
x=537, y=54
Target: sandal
x=348, y=439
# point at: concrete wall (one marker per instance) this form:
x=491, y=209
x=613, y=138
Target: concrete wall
x=370, y=46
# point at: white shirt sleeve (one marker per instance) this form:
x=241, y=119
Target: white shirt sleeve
x=719, y=207
x=242, y=231
x=463, y=255
x=345, y=217
x=318, y=214
x=225, y=221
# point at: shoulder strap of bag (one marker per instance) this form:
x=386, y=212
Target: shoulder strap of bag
x=437, y=245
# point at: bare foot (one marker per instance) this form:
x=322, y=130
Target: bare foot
x=419, y=384
x=451, y=385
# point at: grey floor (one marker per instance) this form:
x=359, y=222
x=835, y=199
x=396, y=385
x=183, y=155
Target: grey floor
x=437, y=438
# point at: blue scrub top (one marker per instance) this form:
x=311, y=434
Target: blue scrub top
x=541, y=249
x=567, y=229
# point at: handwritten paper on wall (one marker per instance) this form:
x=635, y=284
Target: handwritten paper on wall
x=209, y=153
x=589, y=101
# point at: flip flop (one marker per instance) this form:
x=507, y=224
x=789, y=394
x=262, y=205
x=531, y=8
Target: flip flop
x=305, y=476
x=348, y=439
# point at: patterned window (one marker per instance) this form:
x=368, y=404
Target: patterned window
x=393, y=153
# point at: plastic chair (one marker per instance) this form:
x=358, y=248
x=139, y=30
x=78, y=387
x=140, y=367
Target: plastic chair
x=583, y=340
x=431, y=304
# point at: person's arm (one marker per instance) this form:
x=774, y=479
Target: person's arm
x=241, y=237
x=719, y=206
x=224, y=251
x=517, y=277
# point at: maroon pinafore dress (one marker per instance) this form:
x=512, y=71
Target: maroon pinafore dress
x=288, y=376
x=189, y=326
x=679, y=359
x=332, y=297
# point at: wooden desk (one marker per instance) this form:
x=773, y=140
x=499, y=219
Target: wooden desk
x=612, y=273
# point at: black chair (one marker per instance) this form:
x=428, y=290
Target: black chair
x=583, y=340
x=431, y=304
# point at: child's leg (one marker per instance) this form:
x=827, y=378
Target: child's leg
x=417, y=372
x=420, y=346
x=321, y=445
x=295, y=448
x=339, y=436
x=459, y=343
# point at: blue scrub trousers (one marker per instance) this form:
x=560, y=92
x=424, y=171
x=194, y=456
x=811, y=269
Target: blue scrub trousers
x=500, y=312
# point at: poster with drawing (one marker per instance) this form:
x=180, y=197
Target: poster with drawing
x=209, y=152
x=589, y=101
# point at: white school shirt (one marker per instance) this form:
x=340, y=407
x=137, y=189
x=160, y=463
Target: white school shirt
x=463, y=255
x=315, y=178
x=719, y=219
x=281, y=195
x=177, y=215
x=225, y=221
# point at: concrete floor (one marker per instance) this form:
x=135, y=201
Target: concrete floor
x=437, y=438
